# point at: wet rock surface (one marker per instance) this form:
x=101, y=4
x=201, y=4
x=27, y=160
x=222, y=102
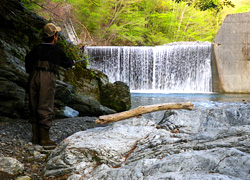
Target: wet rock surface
x=206, y=143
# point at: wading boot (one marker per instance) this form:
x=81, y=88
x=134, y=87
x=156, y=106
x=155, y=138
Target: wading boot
x=45, y=140
x=35, y=131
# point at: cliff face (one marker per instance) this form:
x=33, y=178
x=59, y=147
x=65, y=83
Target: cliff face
x=20, y=30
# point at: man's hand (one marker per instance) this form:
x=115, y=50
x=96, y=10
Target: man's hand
x=74, y=62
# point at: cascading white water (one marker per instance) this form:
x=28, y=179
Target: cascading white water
x=177, y=67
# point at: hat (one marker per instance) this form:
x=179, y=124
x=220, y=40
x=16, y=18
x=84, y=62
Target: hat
x=50, y=29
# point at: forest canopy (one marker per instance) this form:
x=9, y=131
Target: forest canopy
x=139, y=22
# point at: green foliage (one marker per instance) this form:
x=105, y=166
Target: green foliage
x=243, y=8
x=151, y=22
x=31, y=4
x=72, y=51
x=143, y=22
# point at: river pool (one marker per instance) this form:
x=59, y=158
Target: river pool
x=199, y=100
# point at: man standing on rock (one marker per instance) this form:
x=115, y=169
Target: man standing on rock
x=41, y=64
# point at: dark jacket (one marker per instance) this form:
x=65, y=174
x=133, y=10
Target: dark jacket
x=47, y=52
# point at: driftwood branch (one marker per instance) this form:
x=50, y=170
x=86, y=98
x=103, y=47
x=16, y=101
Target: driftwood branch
x=142, y=110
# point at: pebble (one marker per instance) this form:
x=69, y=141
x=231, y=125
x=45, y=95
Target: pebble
x=23, y=178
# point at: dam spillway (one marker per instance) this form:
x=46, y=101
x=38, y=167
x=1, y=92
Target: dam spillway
x=183, y=67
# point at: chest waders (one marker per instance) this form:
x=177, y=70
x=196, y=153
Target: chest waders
x=42, y=94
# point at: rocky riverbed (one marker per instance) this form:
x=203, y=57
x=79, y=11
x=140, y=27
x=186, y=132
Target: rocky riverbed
x=211, y=143
x=15, y=136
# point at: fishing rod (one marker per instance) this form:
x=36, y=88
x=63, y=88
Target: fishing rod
x=86, y=59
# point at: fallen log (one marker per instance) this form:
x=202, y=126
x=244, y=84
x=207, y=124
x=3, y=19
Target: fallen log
x=142, y=110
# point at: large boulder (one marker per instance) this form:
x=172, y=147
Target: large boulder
x=66, y=96
x=89, y=107
x=116, y=96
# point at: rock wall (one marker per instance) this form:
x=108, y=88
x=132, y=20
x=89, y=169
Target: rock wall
x=14, y=44
x=231, y=63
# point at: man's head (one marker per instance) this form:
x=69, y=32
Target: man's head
x=50, y=32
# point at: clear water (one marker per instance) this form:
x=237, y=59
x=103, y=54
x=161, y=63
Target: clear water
x=200, y=100
x=208, y=99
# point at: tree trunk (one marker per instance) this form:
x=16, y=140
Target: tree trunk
x=142, y=110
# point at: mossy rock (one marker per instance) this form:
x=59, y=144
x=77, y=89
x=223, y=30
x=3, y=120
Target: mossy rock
x=116, y=96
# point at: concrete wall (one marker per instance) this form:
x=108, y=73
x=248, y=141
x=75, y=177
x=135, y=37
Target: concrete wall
x=231, y=60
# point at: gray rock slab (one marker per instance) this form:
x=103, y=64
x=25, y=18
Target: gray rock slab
x=85, y=150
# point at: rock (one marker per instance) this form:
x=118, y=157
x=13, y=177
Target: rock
x=207, y=164
x=116, y=96
x=206, y=143
x=13, y=99
x=65, y=95
x=10, y=166
x=74, y=177
x=69, y=112
x=23, y=178
x=39, y=156
x=64, y=92
x=89, y=82
x=83, y=151
x=88, y=107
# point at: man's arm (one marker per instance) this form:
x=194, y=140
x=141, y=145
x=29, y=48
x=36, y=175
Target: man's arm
x=65, y=61
x=28, y=62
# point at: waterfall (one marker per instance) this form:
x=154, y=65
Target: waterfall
x=176, y=67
